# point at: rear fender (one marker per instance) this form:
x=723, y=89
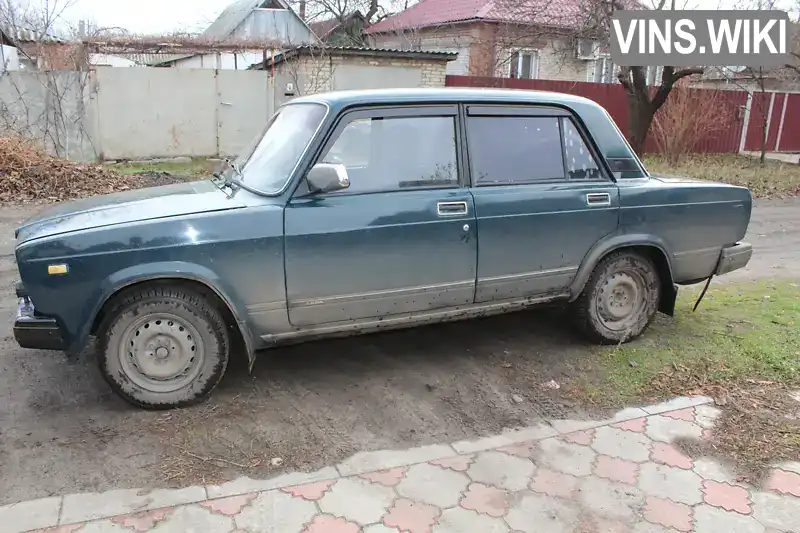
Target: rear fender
x=654, y=244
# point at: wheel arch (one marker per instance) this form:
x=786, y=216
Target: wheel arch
x=120, y=284
x=650, y=246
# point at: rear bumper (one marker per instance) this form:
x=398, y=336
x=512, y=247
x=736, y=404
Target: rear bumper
x=734, y=257
x=36, y=332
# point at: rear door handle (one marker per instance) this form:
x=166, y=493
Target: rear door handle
x=598, y=199
x=449, y=209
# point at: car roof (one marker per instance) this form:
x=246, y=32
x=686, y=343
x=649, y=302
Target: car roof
x=444, y=95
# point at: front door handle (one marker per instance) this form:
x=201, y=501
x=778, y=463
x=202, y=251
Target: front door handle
x=449, y=209
x=598, y=199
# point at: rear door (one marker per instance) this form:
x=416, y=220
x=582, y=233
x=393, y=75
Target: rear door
x=541, y=199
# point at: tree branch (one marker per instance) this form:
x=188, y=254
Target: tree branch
x=687, y=72
x=668, y=80
x=796, y=67
x=624, y=79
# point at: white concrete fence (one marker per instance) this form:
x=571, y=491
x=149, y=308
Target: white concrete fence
x=116, y=113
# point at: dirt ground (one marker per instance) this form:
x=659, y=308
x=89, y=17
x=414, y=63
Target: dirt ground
x=63, y=431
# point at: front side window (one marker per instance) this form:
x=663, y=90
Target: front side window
x=397, y=153
x=267, y=165
x=512, y=150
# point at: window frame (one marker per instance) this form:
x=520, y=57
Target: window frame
x=536, y=58
x=387, y=111
x=599, y=64
x=595, y=155
x=533, y=111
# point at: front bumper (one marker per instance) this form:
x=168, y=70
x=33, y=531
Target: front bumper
x=36, y=332
x=734, y=257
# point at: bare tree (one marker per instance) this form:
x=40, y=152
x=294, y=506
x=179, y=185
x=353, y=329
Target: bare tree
x=310, y=72
x=546, y=21
x=643, y=104
x=373, y=10
x=690, y=117
x=794, y=51
x=45, y=105
x=755, y=81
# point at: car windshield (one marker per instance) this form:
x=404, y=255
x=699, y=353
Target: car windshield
x=268, y=163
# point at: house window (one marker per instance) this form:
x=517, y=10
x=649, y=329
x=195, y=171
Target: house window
x=524, y=64
x=604, y=71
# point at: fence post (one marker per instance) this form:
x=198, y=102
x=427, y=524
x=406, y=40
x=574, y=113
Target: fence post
x=769, y=119
x=780, y=126
x=217, y=105
x=746, y=123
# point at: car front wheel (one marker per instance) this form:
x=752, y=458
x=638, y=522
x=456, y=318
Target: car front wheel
x=163, y=347
x=620, y=299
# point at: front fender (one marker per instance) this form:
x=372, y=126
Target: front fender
x=626, y=240
x=178, y=270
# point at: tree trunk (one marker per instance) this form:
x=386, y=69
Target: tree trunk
x=641, y=107
x=764, y=134
x=641, y=116
x=372, y=11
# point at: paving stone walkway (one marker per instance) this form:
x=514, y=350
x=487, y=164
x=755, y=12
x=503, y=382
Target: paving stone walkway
x=613, y=476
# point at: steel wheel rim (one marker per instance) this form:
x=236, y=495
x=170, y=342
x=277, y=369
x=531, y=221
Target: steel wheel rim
x=621, y=299
x=161, y=352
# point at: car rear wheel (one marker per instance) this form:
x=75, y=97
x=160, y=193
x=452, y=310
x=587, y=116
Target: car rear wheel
x=620, y=299
x=163, y=347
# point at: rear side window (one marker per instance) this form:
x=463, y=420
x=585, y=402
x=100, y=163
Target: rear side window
x=508, y=150
x=512, y=150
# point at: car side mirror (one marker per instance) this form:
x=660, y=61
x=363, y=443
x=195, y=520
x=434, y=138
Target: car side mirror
x=327, y=177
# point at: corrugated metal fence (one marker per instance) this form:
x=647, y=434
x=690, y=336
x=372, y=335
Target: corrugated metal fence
x=782, y=108
x=782, y=111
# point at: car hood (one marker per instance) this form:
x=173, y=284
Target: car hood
x=128, y=206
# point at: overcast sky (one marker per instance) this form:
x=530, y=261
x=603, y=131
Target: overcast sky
x=161, y=16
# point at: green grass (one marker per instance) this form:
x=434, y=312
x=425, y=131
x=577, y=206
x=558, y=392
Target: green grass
x=773, y=180
x=193, y=167
x=748, y=332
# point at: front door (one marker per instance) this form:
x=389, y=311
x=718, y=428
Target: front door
x=541, y=199
x=401, y=239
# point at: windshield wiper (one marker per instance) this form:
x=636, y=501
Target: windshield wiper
x=230, y=182
x=233, y=166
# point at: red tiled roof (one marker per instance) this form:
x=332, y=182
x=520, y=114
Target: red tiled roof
x=427, y=13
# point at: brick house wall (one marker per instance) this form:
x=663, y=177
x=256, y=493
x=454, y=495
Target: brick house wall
x=456, y=38
x=489, y=47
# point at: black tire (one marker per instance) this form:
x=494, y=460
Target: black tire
x=600, y=309
x=187, y=331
